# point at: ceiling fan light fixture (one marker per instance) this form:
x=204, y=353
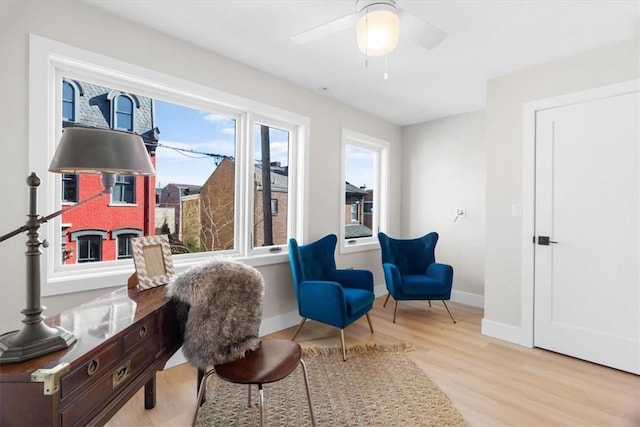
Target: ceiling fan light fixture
x=378, y=30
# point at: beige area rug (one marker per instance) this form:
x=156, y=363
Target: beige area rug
x=376, y=386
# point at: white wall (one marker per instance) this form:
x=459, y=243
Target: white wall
x=85, y=27
x=505, y=99
x=443, y=168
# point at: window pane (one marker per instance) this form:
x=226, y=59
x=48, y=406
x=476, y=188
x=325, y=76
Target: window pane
x=69, y=188
x=360, y=166
x=196, y=175
x=89, y=248
x=68, y=94
x=270, y=175
x=124, y=189
x=124, y=246
x=124, y=113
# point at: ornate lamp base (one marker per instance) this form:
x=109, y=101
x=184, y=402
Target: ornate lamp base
x=33, y=340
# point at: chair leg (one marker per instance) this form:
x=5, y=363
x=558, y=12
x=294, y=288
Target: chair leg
x=395, y=312
x=261, y=403
x=448, y=311
x=295, y=334
x=248, y=395
x=306, y=385
x=369, y=320
x=344, y=351
x=386, y=300
x=203, y=388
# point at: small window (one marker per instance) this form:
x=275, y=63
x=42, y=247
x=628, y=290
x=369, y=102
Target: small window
x=124, y=189
x=69, y=188
x=68, y=102
x=89, y=244
x=123, y=241
x=123, y=113
x=274, y=206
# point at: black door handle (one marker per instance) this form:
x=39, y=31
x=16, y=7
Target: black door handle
x=544, y=240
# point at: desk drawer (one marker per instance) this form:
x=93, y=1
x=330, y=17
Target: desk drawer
x=145, y=333
x=90, y=372
x=87, y=405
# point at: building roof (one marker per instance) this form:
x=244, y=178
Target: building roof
x=352, y=189
x=356, y=230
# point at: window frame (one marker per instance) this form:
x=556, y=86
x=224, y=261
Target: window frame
x=71, y=179
x=380, y=208
x=81, y=235
x=73, y=102
x=51, y=61
x=271, y=122
x=117, y=113
x=127, y=181
x=131, y=232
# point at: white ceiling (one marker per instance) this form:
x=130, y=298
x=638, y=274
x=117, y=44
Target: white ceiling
x=485, y=39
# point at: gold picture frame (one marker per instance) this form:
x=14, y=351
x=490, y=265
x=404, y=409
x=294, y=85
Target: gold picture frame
x=152, y=259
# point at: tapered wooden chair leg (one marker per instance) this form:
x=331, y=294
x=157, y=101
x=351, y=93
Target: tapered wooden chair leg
x=395, y=312
x=448, y=311
x=369, y=320
x=344, y=350
x=386, y=300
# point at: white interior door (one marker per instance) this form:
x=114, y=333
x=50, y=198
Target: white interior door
x=587, y=196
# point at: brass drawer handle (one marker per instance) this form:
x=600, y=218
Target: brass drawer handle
x=143, y=331
x=121, y=374
x=93, y=367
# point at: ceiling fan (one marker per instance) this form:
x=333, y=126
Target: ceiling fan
x=379, y=25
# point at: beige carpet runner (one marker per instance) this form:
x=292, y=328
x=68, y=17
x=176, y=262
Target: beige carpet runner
x=376, y=386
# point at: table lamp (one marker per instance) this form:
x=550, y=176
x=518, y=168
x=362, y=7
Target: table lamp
x=80, y=151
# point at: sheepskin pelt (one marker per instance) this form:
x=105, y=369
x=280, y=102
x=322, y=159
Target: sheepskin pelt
x=223, y=300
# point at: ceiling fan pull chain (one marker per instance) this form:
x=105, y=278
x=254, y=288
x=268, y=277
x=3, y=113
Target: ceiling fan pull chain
x=386, y=73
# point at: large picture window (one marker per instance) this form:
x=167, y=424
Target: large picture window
x=227, y=170
x=364, y=196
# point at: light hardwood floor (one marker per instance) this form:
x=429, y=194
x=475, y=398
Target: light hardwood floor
x=491, y=382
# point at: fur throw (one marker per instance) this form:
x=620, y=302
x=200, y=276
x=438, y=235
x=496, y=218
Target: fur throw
x=220, y=305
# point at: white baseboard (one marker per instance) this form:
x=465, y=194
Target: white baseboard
x=467, y=298
x=506, y=332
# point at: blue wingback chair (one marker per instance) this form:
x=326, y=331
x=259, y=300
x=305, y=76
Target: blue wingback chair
x=411, y=271
x=324, y=293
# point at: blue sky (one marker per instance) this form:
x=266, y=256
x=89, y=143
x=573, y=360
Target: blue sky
x=186, y=134
x=184, y=129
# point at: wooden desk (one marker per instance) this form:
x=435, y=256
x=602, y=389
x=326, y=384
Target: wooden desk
x=124, y=338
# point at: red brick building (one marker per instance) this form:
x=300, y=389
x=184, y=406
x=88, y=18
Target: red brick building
x=101, y=230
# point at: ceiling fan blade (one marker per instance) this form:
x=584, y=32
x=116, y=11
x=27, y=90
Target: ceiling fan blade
x=420, y=31
x=326, y=29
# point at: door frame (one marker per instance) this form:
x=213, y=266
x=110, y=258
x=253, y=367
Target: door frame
x=530, y=110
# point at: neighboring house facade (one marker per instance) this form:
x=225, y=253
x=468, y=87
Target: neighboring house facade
x=217, y=208
x=98, y=231
x=171, y=196
x=358, y=203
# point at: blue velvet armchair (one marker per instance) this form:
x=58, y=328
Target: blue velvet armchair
x=324, y=293
x=411, y=271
